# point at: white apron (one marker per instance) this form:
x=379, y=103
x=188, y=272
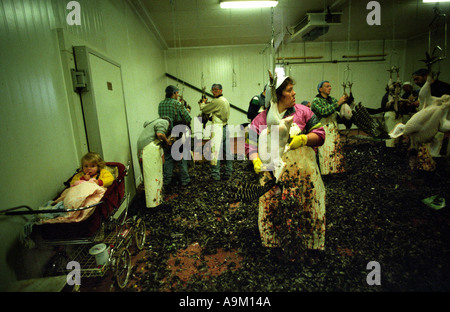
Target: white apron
x=331, y=157
x=216, y=141
x=152, y=166
x=302, y=182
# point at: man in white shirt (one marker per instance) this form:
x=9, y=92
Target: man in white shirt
x=219, y=108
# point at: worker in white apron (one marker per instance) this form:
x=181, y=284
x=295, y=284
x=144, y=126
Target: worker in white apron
x=331, y=157
x=150, y=155
x=219, y=109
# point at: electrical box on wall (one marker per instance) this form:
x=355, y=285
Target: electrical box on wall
x=79, y=80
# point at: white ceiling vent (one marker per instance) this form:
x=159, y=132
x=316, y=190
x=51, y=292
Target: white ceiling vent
x=314, y=25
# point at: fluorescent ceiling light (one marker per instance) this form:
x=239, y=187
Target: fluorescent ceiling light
x=433, y=1
x=247, y=4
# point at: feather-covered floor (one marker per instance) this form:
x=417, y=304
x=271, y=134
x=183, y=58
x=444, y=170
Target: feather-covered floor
x=200, y=240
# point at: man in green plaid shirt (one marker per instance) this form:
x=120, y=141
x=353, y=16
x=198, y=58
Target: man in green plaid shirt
x=331, y=158
x=324, y=104
x=173, y=109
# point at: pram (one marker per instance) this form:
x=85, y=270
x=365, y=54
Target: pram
x=108, y=225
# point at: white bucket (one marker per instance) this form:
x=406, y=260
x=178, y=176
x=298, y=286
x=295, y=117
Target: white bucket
x=101, y=254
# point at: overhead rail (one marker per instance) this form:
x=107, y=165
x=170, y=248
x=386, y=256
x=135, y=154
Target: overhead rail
x=201, y=91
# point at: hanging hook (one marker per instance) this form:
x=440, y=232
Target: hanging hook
x=348, y=77
x=432, y=59
x=344, y=85
x=438, y=15
x=272, y=42
x=393, y=62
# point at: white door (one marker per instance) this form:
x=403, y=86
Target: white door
x=104, y=110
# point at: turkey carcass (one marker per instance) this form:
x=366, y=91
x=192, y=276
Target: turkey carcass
x=273, y=140
x=424, y=125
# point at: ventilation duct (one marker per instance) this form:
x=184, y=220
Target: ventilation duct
x=314, y=25
x=315, y=33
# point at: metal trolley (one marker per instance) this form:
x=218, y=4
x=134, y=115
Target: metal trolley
x=118, y=236
x=109, y=225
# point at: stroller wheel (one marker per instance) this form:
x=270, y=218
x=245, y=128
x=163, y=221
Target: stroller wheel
x=57, y=264
x=140, y=234
x=122, y=267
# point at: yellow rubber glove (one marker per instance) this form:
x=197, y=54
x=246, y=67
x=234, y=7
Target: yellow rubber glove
x=298, y=141
x=257, y=164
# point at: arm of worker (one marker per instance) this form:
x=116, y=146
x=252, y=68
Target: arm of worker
x=322, y=108
x=257, y=163
x=311, y=139
x=251, y=147
x=185, y=113
x=313, y=134
x=343, y=99
x=251, y=143
x=161, y=128
x=314, y=139
x=162, y=137
x=208, y=107
x=314, y=130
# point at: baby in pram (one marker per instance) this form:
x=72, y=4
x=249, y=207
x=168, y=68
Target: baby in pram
x=77, y=202
x=86, y=188
x=93, y=170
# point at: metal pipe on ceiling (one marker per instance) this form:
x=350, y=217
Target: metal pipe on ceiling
x=201, y=91
x=331, y=62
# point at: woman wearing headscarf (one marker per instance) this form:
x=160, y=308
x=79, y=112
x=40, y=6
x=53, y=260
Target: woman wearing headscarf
x=331, y=158
x=292, y=213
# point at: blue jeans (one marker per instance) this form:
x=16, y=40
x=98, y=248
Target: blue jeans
x=169, y=165
x=228, y=158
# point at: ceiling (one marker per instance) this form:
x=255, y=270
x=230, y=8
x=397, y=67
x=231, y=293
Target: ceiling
x=197, y=23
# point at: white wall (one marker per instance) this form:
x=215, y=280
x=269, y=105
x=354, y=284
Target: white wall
x=242, y=71
x=369, y=75
x=247, y=67
x=38, y=140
